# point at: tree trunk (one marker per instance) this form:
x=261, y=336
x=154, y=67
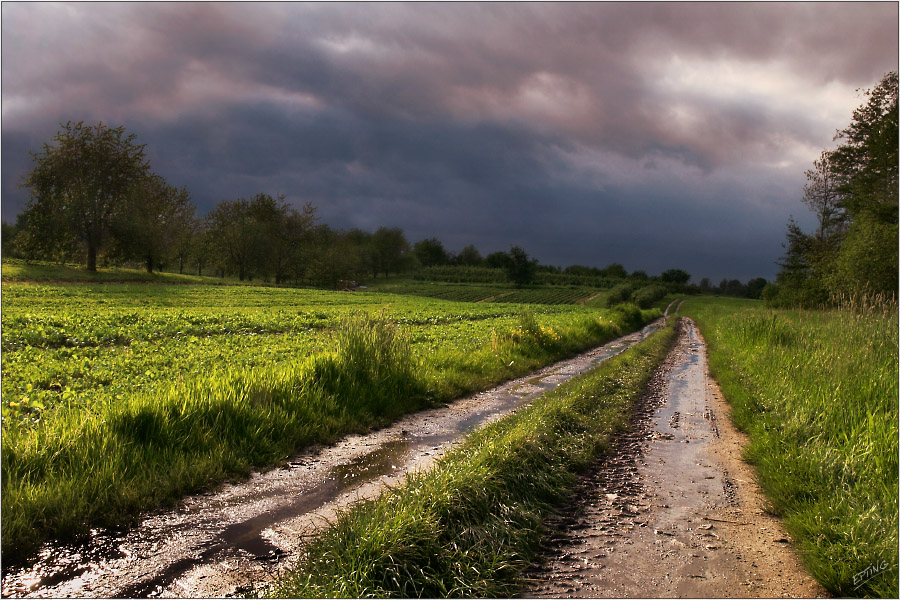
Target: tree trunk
x=149, y=263
x=92, y=258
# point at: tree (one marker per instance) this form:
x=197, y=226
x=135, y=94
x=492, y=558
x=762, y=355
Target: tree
x=469, y=257
x=820, y=194
x=234, y=234
x=431, y=252
x=615, y=271
x=675, y=277
x=80, y=183
x=853, y=190
x=755, y=287
x=497, y=260
x=390, y=249
x=520, y=269
x=155, y=220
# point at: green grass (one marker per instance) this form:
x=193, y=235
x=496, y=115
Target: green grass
x=469, y=526
x=37, y=271
x=491, y=292
x=817, y=393
x=118, y=397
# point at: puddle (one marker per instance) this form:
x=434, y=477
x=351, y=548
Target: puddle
x=238, y=527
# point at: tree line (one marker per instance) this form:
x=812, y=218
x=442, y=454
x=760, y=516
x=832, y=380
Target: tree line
x=94, y=199
x=852, y=190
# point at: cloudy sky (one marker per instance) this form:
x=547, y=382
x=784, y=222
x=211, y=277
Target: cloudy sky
x=656, y=135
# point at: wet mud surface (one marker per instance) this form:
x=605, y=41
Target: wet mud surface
x=672, y=511
x=233, y=540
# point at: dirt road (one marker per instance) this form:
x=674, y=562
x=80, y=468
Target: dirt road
x=233, y=540
x=674, y=511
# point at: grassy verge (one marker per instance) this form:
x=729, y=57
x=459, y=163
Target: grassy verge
x=817, y=393
x=83, y=464
x=469, y=526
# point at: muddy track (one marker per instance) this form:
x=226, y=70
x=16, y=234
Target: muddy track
x=235, y=539
x=672, y=511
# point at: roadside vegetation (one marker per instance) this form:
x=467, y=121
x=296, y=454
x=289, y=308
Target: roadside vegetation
x=817, y=393
x=119, y=397
x=470, y=525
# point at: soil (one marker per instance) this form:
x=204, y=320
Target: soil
x=234, y=540
x=673, y=510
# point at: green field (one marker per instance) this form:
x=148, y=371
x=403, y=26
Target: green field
x=117, y=397
x=493, y=292
x=817, y=393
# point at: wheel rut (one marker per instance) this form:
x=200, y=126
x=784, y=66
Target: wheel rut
x=672, y=510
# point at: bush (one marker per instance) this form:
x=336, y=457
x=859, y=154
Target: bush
x=619, y=294
x=649, y=295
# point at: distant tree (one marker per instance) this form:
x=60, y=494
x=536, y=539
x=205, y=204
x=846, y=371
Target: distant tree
x=639, y=275
x=431, y=252
x=80, y=182
x=520, y=269
x=705, y=285
x=391, y=250
x=234, y=234
x=675, y=277
x=469, y=257
x=497, y=260
x=615, y=271
x=156, y=218
x=334, y=257
x=8, y=235
x=755, y=287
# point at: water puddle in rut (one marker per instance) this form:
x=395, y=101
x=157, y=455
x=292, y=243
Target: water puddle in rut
x=227, y=541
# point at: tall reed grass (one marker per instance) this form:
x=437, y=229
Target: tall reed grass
x=817, y=391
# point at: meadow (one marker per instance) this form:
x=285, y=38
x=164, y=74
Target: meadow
x=120, y=397
x=817, y=393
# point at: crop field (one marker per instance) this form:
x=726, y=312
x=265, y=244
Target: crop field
x=817, y=393
x=117, y=397
x=495, y=293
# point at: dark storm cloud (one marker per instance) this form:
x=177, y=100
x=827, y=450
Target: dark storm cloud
x=585, y=132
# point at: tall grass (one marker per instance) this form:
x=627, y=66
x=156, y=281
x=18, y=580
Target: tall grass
x=100, y=464
x=817, y=392
x=470, y=525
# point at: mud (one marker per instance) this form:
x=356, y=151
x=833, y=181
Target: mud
x=673, y=511
x=233, y=540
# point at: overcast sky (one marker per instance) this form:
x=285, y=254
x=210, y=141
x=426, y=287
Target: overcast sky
x=656, y=135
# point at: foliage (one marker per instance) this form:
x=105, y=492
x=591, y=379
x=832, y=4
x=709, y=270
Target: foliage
x=469, y=526
x=853, y=191
x=619, y=294
x=431, y=252
x=78, y=186
x=817, y=393
x=649, y=295
x=153, y=223
x=520, y=269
